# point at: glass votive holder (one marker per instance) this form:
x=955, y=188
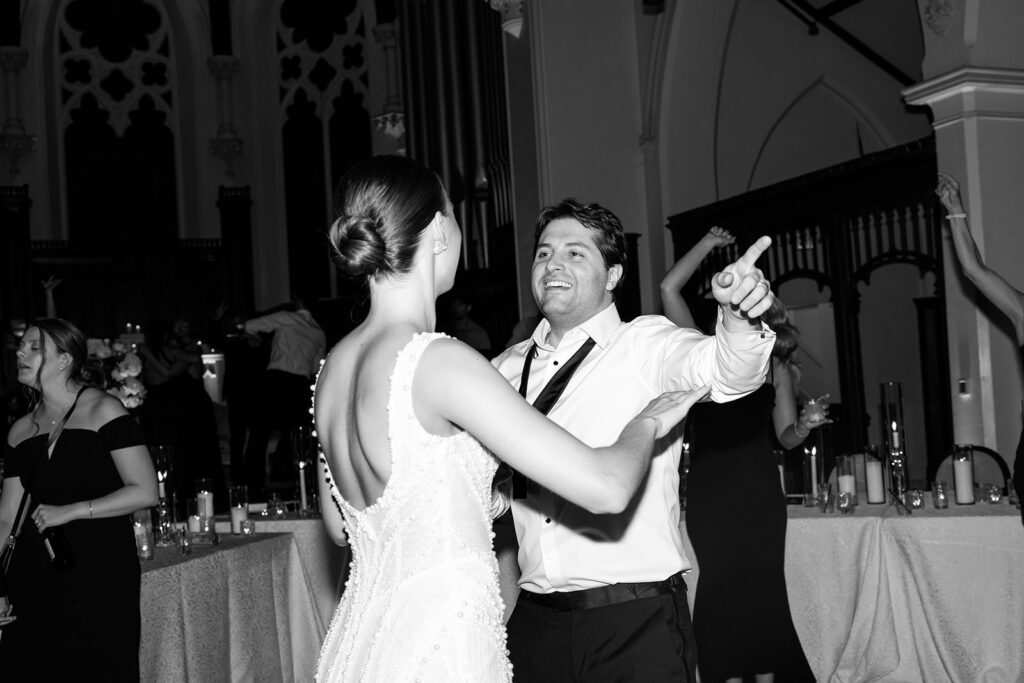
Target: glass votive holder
x=993, y=493
x=940, y=499
x=915, y=499
x=826, y=501
x=247, y=527
x=238, y=496
x=142, y=523
x=846, y=477
x=1012, y=494
x=846, y=502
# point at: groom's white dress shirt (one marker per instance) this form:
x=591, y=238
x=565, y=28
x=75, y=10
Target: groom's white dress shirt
x=562, y=547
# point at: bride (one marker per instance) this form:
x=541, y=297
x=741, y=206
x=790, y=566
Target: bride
x=408, y=420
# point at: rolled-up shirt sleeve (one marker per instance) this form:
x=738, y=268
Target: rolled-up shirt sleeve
x=732, y=363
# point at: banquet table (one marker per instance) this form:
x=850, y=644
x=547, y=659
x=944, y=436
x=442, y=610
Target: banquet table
x=324, y=563
x=242, y=610
x=937, y=595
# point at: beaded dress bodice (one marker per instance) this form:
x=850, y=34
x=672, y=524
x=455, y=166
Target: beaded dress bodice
x=422, y=601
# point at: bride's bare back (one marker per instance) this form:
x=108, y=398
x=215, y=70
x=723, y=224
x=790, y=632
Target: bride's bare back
x=351, y=411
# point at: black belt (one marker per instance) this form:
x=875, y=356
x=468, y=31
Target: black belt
x=602, y=596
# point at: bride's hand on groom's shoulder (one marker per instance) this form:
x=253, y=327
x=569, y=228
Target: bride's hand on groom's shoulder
x=670, y=408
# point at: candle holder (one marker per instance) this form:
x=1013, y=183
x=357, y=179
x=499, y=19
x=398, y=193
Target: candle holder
x=303, y=447
x=846, y=477
x=940, y=499
x=874, y=475
x=963, y=474
x=163, y=463
x=894, y=438
x=142, y=522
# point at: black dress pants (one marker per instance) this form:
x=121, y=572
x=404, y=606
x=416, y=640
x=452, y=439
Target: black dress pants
x=647, y=639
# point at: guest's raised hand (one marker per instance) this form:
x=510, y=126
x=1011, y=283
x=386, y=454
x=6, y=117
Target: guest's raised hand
x=6, y=612
x=948, y=191
x=718, y=237
x=741, y=288
x=670, y=408
x=50, y=283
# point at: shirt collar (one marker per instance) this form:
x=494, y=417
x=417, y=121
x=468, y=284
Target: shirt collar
x=600, y=328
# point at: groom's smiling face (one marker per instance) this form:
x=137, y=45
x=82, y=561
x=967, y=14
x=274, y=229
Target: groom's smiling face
x=570, y=280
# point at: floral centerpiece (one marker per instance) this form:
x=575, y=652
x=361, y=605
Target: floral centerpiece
x=122, y=367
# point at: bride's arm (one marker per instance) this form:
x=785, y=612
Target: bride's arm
x=459, y=385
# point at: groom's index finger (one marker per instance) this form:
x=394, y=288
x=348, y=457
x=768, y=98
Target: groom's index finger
x=755, y=251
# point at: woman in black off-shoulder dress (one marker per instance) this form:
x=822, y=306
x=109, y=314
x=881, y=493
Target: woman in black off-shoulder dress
x=80, y=622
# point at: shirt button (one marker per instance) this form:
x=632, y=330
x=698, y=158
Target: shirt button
x=547, y=520
x=554, y=362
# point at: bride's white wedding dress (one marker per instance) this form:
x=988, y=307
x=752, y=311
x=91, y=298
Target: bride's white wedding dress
x=422, y=601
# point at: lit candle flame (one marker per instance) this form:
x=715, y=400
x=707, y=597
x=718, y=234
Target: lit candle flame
x=894, y=425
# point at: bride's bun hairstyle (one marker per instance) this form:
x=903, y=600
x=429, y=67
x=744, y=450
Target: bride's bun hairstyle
x=383, y=203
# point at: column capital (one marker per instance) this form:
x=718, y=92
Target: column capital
x=12, y=58
x=386, y=35
x=971, y=92
x=223, y=66
x=511, y=15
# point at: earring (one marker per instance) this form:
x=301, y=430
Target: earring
x=440, y=246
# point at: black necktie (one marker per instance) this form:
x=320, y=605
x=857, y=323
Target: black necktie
x=546, y=400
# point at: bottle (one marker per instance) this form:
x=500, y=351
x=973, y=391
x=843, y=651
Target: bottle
x=58, y=549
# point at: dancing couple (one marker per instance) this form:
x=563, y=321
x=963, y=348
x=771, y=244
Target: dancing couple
x=412, y=424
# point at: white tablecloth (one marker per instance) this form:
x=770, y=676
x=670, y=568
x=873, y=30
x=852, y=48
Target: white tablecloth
x=876, y=596
x=239, y=611
x=325, y=564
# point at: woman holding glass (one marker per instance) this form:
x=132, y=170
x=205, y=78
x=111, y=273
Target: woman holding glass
x=735, y=506
x=74, y=578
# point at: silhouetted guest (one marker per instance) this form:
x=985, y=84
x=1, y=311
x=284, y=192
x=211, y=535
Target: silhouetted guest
x=458, y=324
x=178, y=412
x=282, y=399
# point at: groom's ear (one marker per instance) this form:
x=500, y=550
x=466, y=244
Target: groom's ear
x=614, y=275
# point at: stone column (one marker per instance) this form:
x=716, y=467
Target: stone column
x=227, y=145
x=974, y=85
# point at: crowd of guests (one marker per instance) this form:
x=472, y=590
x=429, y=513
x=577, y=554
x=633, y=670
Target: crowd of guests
x=583, y=406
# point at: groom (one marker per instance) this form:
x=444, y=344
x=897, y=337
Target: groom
x=603, y=596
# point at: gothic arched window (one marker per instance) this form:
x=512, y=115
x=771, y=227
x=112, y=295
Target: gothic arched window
x=323, y=80
x=114, y=67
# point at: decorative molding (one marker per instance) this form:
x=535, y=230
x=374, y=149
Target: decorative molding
x=391, y=123
x=511, y=15
x=223, y=66
x=228, y=149
x=17, y=146
x=13, y=59
x=969, y=79
x=938, y=16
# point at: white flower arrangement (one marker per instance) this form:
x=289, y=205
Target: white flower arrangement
x=122, y=367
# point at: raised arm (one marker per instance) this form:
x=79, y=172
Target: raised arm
x=1001, y=293
x=679, y=274
x=463, y=388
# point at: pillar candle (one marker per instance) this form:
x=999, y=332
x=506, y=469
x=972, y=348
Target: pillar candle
x=205, y=499
x=238, y=513
x=964, y=482
x=876, y=489
x=847, y=483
